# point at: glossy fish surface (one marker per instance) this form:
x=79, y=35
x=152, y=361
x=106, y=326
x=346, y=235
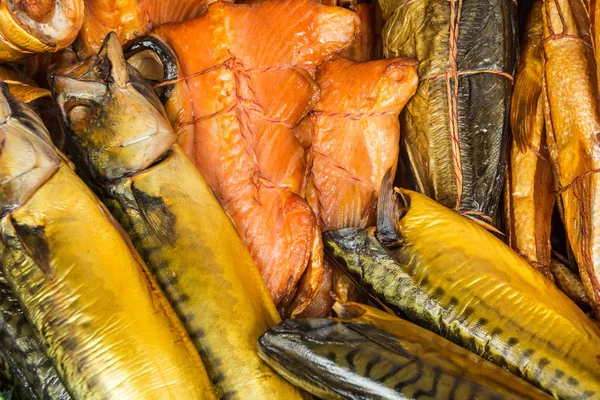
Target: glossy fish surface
x=24, y=353
x=101, y=318
x=123, y=138
x=572, y=111
x=455, y=128
x=357, y=359
x=451, y=276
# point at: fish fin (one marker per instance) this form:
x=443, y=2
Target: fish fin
x=113, y=61
x=34, y=241
x=525, y=115
x=157, y=215
x=388, y=212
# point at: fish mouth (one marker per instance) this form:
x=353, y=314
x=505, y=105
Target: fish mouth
x=156, y=62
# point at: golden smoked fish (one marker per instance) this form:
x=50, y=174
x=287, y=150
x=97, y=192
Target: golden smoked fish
x=530, y=187
x=103, y=321
x=238, y=94
x=21, y=349
x=369, y=354
x=572, y=126
x=37, y=26
x=453, y=277
x=120, y=130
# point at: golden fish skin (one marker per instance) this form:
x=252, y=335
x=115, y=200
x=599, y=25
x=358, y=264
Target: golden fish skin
x=572, y=125
x=37, y=26
x=101, y=317
x=451, y=276
x=530, y=183
x=362, y=358
x=176, y=223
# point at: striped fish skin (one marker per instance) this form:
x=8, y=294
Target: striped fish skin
x=454, y=278
x=23, y=351
x=175, y=222
x=349, y=360
x=84, y=290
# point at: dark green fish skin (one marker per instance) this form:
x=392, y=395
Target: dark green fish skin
x=336, y=360
x=456, y=127
x=23, y=352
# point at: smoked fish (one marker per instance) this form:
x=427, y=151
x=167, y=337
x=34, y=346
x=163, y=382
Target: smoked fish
x=369, y=354
x=530, y=191
x=24, y=353
x=121, y=135
x=37, y=26
x=453, y=277
x=131, y=19
x=20, y=347
x=352, y=138
x=572, y=125
x=234, y=103
x=455, y=129
x=104, y=323
x=363, y=48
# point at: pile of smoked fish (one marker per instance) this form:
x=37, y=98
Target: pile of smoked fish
x=299, y=199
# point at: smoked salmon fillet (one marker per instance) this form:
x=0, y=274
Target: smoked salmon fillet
x=245, y=81
x=352, y=138
x=355, y=137
x=131, y=19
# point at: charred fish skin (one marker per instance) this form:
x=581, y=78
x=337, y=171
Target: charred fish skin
x=477, y=293
x=174, y=220
x=23, y=351
x=455, y=128
x=100, y=316
x=346, y=360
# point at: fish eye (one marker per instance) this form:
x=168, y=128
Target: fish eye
x=79, y=116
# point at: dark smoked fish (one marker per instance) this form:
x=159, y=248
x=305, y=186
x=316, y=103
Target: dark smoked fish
x=456, y=126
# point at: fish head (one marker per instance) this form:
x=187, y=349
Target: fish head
x=114, y=121
x=27, y=157
x=324, y=356
x=307, y=345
